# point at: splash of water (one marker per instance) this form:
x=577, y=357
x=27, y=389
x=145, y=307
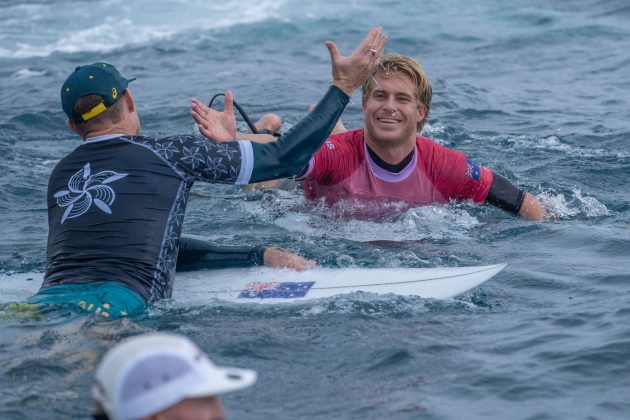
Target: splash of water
x=577, y=205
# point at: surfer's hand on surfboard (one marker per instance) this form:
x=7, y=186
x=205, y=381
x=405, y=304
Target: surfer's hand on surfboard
x=217, y=126
x=350, y=72
x=275, y=257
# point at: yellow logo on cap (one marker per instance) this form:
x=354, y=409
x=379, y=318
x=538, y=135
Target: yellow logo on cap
x=114, y=93
x=91, y=77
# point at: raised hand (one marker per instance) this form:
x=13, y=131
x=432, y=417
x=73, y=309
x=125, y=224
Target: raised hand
x=350, y=72
x=217, y=126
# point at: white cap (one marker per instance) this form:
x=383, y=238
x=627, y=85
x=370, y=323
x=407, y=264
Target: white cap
x=148, y=373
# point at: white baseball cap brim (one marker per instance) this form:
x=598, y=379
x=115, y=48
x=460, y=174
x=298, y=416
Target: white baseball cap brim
x=146, y=374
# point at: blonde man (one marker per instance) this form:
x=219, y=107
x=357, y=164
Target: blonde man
x=389, y=160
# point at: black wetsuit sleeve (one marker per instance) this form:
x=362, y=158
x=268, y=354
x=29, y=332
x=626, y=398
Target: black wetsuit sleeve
x=505, y=195
x=198, y=255
x=289, y=155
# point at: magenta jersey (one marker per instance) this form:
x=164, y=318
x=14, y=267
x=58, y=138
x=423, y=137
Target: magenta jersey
x=343, y=169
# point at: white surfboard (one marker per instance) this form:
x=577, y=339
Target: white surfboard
x=273, y=285
x=269, y=285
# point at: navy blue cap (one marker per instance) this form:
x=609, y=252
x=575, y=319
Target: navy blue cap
x=99, y=78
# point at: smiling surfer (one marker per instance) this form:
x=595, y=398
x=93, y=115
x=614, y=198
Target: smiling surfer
x=116, y=203
x=388, y=160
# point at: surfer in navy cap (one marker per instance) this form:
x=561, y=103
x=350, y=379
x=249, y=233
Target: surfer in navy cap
x=116, y=203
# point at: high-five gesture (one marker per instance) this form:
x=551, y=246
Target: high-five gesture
x=217, y=126
x=350, y=72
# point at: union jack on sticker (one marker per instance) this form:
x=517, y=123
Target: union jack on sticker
x=281, y=290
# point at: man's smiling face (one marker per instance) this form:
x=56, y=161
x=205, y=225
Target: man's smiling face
x=392, y=112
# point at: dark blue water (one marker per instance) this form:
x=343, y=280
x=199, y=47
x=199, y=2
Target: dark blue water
x=536, y=90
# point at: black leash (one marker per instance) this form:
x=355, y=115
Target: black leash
x=240, y=110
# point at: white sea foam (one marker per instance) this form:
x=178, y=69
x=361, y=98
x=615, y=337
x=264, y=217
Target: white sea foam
x=554, y=143
x=26, y=73
x=16, y=287
x=578, y=204
x=549, y=143
x=430, y=130
x=418, y=223
x=41, y=30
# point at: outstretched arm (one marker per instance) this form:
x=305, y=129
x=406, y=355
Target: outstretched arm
x=507, y=196
x=287, y=156
x=195, y=254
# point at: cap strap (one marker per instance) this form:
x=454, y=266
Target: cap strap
x=94, y=112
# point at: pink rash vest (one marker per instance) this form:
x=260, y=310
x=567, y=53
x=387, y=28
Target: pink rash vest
x=343, y=169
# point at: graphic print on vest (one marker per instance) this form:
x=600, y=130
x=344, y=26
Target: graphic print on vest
x=85, y=190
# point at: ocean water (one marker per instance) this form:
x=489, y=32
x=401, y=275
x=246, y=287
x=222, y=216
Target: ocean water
x=537, y=90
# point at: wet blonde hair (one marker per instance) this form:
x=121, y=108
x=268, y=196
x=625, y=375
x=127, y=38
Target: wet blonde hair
x=394, y=64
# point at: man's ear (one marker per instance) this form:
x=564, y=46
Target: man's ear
x=73, y=127
x=131, y=106
x=422, y=112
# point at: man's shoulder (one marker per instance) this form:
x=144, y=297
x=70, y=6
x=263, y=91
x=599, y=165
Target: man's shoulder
x=347, y=143
x=425, y=141
x=172, y=147
x=427, y=145
x=177, y=138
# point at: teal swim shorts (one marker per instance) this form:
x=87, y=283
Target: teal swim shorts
x=107, y=299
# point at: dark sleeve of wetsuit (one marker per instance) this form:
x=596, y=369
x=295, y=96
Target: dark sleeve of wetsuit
x=198, y=255
x=505, y=195
x=287, y=156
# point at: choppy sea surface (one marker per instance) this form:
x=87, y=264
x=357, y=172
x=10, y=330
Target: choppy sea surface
x=537, y=90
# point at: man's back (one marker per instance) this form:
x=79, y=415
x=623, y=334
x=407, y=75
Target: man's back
x=115, y=209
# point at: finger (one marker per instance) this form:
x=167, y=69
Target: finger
x=199, y=108
x=370, y=39
x=198, y=105
x=197, y=115
x=379, y=43
x=310, y=263
x=229, y=102
x=377, y=48
x=201, y=124
x=333, y=51
x=304, y=263
x=203, y=130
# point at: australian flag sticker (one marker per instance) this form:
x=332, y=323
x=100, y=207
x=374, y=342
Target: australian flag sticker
x=279, y=290
x=472, y=169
